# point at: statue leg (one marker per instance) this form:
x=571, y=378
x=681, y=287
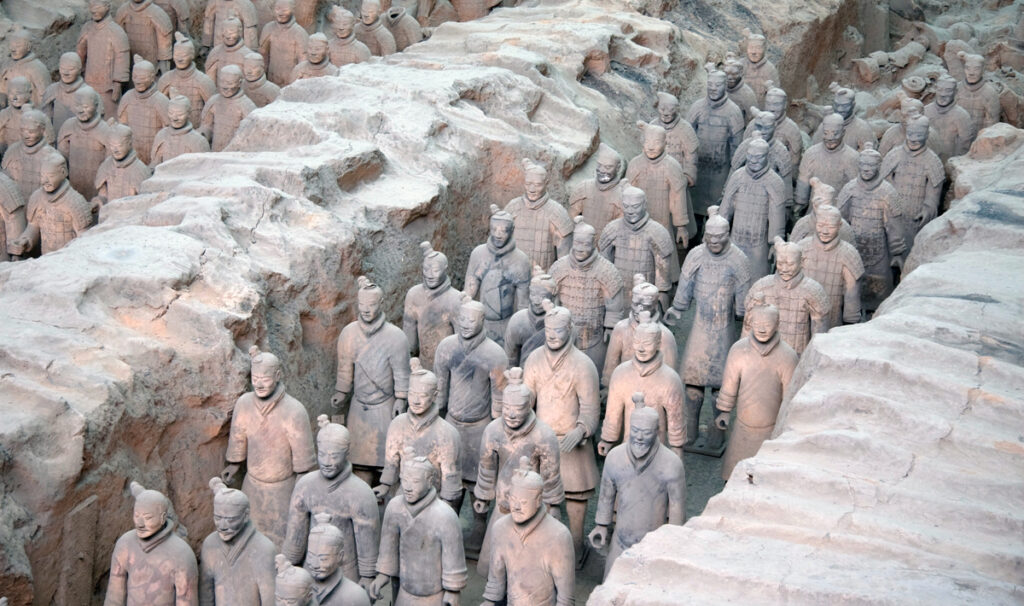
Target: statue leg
x=694, y=401
x=716, y=436
x=576, y=511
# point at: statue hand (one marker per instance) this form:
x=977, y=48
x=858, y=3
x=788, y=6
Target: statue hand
x=555, y=511
x=229, y=473
x=480, y=506
x=451, y=598
x=338, y=400
x=21, y=245
x=722, y=420
x=96, y=204
x=381, y=492
x=598, y=536
x=571, y=440
x=366, y=583
x=115, y=94
x=681, y=237
x=925, y=216
x=897, y=262
x=378, y=584
x=399, y=407
x=603, y=448
x=672, y=315
x=607, y=335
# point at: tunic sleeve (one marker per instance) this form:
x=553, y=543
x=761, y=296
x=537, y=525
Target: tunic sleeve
x=117, y=586
x=728, y=206
x=677, y=495
x=577, y=199
x=451, y=472
x=496, y=577
x=186, y=579
x=206, y=582
x=399, y=359
x=487, y=468
x=611, y=429
x=409, y=324
x=743, y=278
x=346, y=359
x=453, y=556
x=730, y=380
x=687, y=282
x=294, y=546
x=300, y=438
x=164, y=30
x=237, y=440
x=612, y=357
x=674, y=412
x=677, y=196
x=387, y=558
x=550, y=471
x=392, y=454
x=776, y=208
x=120, y=71
x=563, y=568
x=588, y=387
x=366, y=525
x=442, y=370
x=606, y=497
x=497, y=383
x=818, y=307
x=606, y=243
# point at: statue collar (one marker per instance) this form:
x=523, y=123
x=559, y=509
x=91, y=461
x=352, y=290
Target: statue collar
x=416, y=508
x=609, y=185
x=914, y=152
x=585, y=264
x=759, y=64
x=324, y=589
x=639, y=224
x=440, y=289
x=555, y=358
x=237, y=545
x=421, y=422
x=642, y=463
x=765, y=348
x=150, y=543
x=376, y=25
x=70, y=88
x=733, y=89
x=473, y=342
x=655, y=160
x=716, y=104
x=347, y=40
x=830, y=245
x=797, y=279
x=645, y=369
x=29, y=57
x=40, y=144
x=371, y=328
x=91, y=124
x=523, y=429
x=184, y=130
x=669, y=125
x=185, y=73
x=255, y=84
x=873, y=183
x=504, y=250
x=141, y=6
x=535, y=204
x=848, y=121
x=146, y=94
x=976, y=86
x=58, y=193
x=125, y=161
x=758, y=174
x=942, y=109
x=524, y=530
x=339, y=479
x=265, y=406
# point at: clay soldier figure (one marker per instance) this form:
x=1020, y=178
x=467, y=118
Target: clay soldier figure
x=186, y=79
x=759, y=71
x=757, y=373
x=122, y=172
x=645, y=298
x=754, y=202
x=821, y=194
x=974, y=94
x=599, y=200
x=344, y=48
x=716, y=276
x=236, y=560
x=26, y=64
x=333, y=489
x=802, y=302
x=532, y=562
x=57, y=214
x=150, y=32
x=779, y=158
x=83, y=141
x=143, y=108
x=104, y=49
x=324, y=554
x=662, y=179
x=218, y=12
x=543, y=228
x=12, y=218
x=525, y=331
x=430, y=307
x=680, y=139
x=270, y=434
x=918, y=176
x=896, y=134
x=421, y=543
x=230, y=52
x=373, y=370
x=638, y=245
x=293, y=585
x=776, y=102
x=256, y=86
x=58, y=98
x=371, y=31
x=831, y=161
x=719, y=125
x=590, y=286
x=225, y=111
x=643, y=486
x=23, y=161
x=498, y=275
x=834, y=264
x=420, y=432
x=19, y=91
x=872, y=205
x=660, y=383
x=856, y=130
x=432, y=13
x=151, y=565
x=316, y=64
x=950, y=124
x=403, y=27
x=178, y=137
x=739, y=92
x=282, y=43
x=177, y=11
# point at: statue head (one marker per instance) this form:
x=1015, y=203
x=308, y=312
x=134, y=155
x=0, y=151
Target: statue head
x=634, y=204
x=583, y=239
x=945, y=90
x=764, y=321
x=755, y=47
x=53, y=173
x=369, y=300
x=232, y=31
x=644, y=298
x=764, y=123
x=542, y=288
x=917, y=133
x=178, y=109
x=910, y=108
x=316, y=48
x=99, y=9
x=868, y=162
x=733, y=69
x=293, y=585
x=654, y=139
x=517, y=399
x=150, y=512
x=646, y=338
x=143, y=74
x=422, y=388
x=417, y=476
x=643, y=427
x=557, y=326
x=776, y=101
x=716, y=232
x=184, y=51
x=716, y=83
x=70, y=68
x=502, y=226
x=119, y=140
x=667, y=106
x=974, y=66
x=32, y=127
x=821, y=193
x=230, y=510
x=369, y=12
x=827, y=221
x=266, y=372
x=342, y=22
x=832, y=131
x=324, y=548
x=757, y=154
x=471, y=317
x=283, y=10
x=535, y=180
x=86, y=103
x=435, y=266
x=332, y=445
x=229, y=80
x=843, y=100
x=19, y=91
x=788, y=259
x=913, y=86
x=526, y=493
x=20, y=44
x=609, y=164
x=253, y=66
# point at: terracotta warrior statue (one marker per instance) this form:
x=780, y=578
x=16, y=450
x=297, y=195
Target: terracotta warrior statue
x=432, y=13
x=187, y=79
x=635, y=244
x=821, y=193
x=431, y=307
x=58, y=98
x=776, y=102
x=754, y=201
x=421, y=432
x=896, y=134
x=517, y=434
x=779, y=158
x=831, y=161
x=498, y=275
x=716, y=276
x=84, y=139
x=333, y=489
x=974, y=94
x=57, y=214
x=645, y=297
x=856, y=130
x=12, y=218
x=316, y=64
x=643, y=486
x=662, y=179
x=739, y=92
x=325, y=553
x=23, y=161
x=543, y=228
x=19, y=91
x=719, y=125
x=293, y=585
x=178, y=12
x=270, y=434
x=224, y=112
x=151, y=564
x=757, y=373
x=122, y=172
x=373, y=372
x=836, y=265
x=105, y=52
x=918, y=176
x=950, y=124
x=525, y=331
x=802, y=302
x=420, y=543
x=872, y=205
x=231, y=51
x=403, y=26
x=218, y=12
x=759, y=71
x=532, y=559
x=256, y=86
x=680, y=138
x=26, y=64
x=178, y=137
x=144, y=108
x=599, y=200
x=344, y=47
x=371, y=31
x=236, y=560
x=282, y=43
x=150, y=32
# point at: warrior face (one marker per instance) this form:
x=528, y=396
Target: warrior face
x=99, y=9
x=183, y=55
x=31, y=132
x=264, y=380
x=149, y=516
x=973, y=70
x=20, y=46
x=764, y=325
x=867, y=169
x=323, y=557
x=539, y=294
x=53, y=176
x=232, y=33
x=228, y=82
x=470, y=322
x=556, y=334
x=766, y=127
x=788, y=263
x=177, y=115
x=230, y=519
x=20, y=92
x=716, y=86
x=435, y=270
x=515, y=412
x=534, y=184
x=421, y=398
x=654, y=143
x=283, y=11
x=733, y=75
x=827, y=227
x=945, y=94
x=755, y=50
x=524, y=502
x=642, y=436
x=668, y=112
x=415, y=483
x=342, y=27
x=917, y=135
x=143, y=77
x=501, y=233
x=832, y=135
x=646, y=345
x=716, y=241
x=317, y=51
x=776, y=105
x=634, y=209
x=605, y=173
x=756, y=161
x=843, y=106
x=332, y=457
x=369, y=13
x=121, y=145
x=85, y=106
x=582, y=248
x=252, y=67
x=70, y=68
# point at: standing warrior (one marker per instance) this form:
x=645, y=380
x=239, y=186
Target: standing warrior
x=951, y=125
x=779, y=158
x=405, y=29
x=645, y=298
x=680, y=139
x=282, y=43
x=225, y=111
x=324, y=555
x=589, y=285
x=293, y=585
x=599, y=200
x=739, y=91
x=150, y=32
x=344, y=48
x=178, y=137
x=662, y=179
x=371, y=31
x=856, y=130
x=802, y=302
x=23, y=162
x=776, y=102
x=430, y=307
x=152, y=565
x=256, y=86
x=918, y=176
x=83, y=141
x=543, y=228
x=177, y=11
x=333, y=489
x=187, y=79
x=756, y=377
x=719, y=125
x=896, y=134
x=872, y=205
x=831, y=161
x=716, y=275
x=498, y=275
x=232, y=51
x=525, y=331
x=57, y=214
x=373, y=369
x=236, y=560
x=58, y=98
x=270, y=433
x=218, y=12
x=26, y=64
x=759, y=71
x=122, y=172
x=755, y=202
x=144, y=108
x=978, y=97
x=643, y=486
x=104, y=49
x=19, y=91
x=316, y=64
x=834, y=264
x=821, y=194
x=12, y=218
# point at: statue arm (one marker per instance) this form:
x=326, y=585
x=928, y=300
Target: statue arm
x=392, y=457
x=818, y=308
x=453, y=557
x=851, y=295
x=300, y=438
x=611, y=428
x=409, y=325
x=400, y=369
x=209, y=17
x=294, y=546
x=388, y=556
x=497, y=382
x=206, y=583
x=563, y=569
x=729, y=391
x=611, y=359
x=451, y=473
x=495, y=589
x=677, y=500
x=120, y=70
x=550, y=471
x=588, y=391
x=237, y=440
x=346, y=366
x=186, y=580
x=366, y=526
x=677, y=199
x=605, y=514
x=487, y=470
x=777, y=211
x=675, y=411
x=117, y=585
x=442, y=370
